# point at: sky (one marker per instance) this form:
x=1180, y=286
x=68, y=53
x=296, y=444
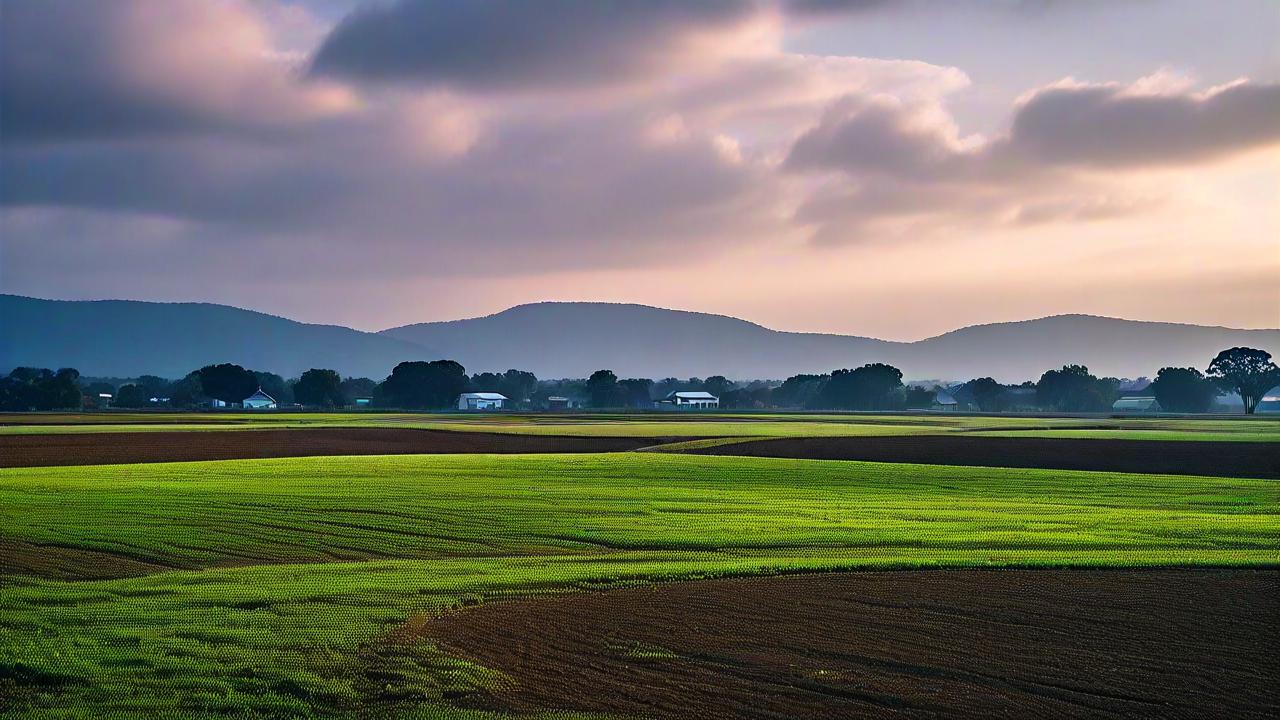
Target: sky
x=890, y=168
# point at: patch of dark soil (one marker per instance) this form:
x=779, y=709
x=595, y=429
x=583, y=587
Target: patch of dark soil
x=164, y=446
x=18, y=557
x=924, y=644
x=1172, y=457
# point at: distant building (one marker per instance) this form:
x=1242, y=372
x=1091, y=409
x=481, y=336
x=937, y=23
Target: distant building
x=259, y=401
x=689, y=400
x=481, y=401
x=943, y=400
x=1270, y=402
x=1136, y=404
x=363, y=401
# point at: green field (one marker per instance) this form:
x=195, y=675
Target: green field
x=693, y=425
x=268, y=588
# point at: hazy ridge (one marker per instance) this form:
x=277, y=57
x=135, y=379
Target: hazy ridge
x=126, y=338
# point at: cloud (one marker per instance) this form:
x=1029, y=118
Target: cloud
x=1113, y=126
x=76, y=70
x=903, y=168
x=511, y=44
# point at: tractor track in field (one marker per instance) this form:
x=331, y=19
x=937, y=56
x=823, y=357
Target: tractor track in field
x=161, y=446
x=1166, y=643
x=1167, y=457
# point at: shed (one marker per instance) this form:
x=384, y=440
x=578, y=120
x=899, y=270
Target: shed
x=943, y=400
x=259, y=401
x=481, y=401
x=690, y=400
x=1136, y=404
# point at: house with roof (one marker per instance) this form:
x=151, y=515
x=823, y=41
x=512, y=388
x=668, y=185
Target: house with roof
x=259, y=401
x=689, y=400
x=943, y=400
x=481, y=401
x=1136, y=405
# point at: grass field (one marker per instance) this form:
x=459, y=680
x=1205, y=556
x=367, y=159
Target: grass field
x=699, y=425
x=269, y=588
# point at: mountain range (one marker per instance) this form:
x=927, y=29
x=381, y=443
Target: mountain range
x=125, y=338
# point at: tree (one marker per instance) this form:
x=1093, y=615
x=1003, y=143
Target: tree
x=635, y=392
x=227, y=382
x=919, y=398
x=1183, y=390
x=29, y=388
x=1073, y=389
x=717, y=385
x=519, y=385
x=988, y=394
x=361, y=387
x=874, y=386
x=800, y=391
x=417, y=384
x=319, y=387
x=602, y=387
x=1248, y=372
x=188, y=391
x=132, y=396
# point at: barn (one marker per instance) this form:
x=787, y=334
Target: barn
x=1136, y=404
x=481, y=401
x=259, y=401
x=690, y=400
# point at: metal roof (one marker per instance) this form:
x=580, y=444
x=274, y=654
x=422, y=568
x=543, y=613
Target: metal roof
x=693, y=395
x=259, y=395
x=485, y=396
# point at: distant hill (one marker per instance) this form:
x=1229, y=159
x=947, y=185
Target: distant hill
x=127, y=338
x=573, y=339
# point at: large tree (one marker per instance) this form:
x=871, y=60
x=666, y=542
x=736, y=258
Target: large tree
x=988, y=394
x=1248, y=372
x=1183, y=390
x=1073, y=389
x=132, y=396
x=874, y=386
x=800, y=391
x=29, y=388
x=417, y=384
x=227, y=382
x=319, y=387
x=602, y=387
x=717, y=385
x=635, y=392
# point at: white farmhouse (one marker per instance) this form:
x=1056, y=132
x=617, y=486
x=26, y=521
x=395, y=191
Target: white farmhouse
x=259, y=401
x=690, y=400
x=481, y=401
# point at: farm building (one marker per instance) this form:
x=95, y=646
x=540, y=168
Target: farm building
x=481, y=401
x=1270, y=402
x=259, y=401
x=363, y=401
x=560, y=402
x=1136, y=404
x=689, y=400
x=943, y=400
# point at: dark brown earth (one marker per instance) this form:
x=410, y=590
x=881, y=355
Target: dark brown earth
x=164, y=446
x=1173, y=457
x=923, y=644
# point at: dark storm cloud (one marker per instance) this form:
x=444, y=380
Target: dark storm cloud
x=1107, y=127
x=131, y=68
x=514, y=43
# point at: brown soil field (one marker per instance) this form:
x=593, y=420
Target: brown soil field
x=913, y=644
x=161, y=446
x=1171, y=457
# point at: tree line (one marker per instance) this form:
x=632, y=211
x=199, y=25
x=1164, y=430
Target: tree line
x=436, y=384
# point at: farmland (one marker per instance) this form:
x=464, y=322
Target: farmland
x=357, y=585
